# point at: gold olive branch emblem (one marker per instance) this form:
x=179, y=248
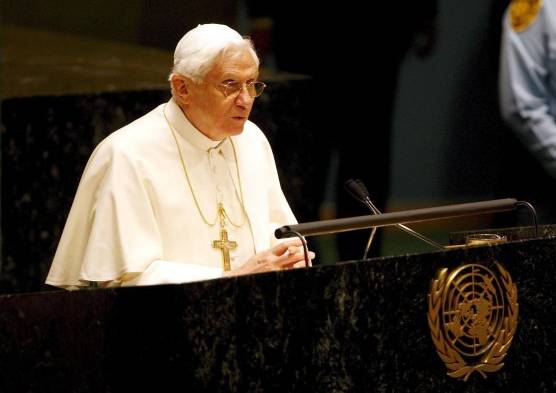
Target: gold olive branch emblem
x=491, y=361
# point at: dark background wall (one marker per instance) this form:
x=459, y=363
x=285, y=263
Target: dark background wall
x=145, y=22
x=447, y=111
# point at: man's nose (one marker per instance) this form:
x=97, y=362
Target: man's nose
x=244, y=98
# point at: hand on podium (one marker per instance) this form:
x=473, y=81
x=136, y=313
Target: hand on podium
x=286, y=255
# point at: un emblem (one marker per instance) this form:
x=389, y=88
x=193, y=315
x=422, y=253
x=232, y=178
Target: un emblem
x=473, y=317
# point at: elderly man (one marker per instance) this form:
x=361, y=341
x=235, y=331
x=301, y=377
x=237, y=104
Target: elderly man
x=187, y=192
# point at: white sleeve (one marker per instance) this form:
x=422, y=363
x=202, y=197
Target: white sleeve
x=280, y=212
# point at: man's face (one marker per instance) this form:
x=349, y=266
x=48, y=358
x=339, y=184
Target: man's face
x=210, y=110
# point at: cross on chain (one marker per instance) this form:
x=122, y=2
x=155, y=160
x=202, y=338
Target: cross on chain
x=225, y=246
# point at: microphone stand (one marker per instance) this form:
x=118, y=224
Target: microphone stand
x=371, y=238
x=358, y=190
x=405, y=228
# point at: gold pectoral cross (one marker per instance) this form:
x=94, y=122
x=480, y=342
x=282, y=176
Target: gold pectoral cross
x=225, y=246
x=223, y=243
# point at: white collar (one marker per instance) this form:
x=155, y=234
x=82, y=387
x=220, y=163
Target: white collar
x=187, y=130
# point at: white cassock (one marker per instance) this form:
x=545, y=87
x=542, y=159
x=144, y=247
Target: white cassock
x=134, y=220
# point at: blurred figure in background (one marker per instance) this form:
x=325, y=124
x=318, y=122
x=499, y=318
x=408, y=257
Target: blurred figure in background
x=527, y=89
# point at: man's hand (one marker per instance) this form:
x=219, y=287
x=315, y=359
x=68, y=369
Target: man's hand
x=286, y=255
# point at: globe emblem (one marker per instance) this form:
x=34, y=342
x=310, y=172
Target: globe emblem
x=472, y=311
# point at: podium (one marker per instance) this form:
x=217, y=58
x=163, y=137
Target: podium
x=357, y=326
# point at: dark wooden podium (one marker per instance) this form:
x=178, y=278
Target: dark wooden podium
x=352, y=327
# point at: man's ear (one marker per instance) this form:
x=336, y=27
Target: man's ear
x=181, y=86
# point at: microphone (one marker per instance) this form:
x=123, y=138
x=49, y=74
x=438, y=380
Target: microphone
x=358, y=190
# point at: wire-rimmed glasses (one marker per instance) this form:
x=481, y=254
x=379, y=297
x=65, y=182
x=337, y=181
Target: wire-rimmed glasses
x=234, y=88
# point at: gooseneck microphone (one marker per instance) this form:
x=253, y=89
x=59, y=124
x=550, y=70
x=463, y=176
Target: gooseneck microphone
x=358, y=190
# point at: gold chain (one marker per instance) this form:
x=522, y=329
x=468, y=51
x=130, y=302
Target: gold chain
x=238, y=196
x=221, y=212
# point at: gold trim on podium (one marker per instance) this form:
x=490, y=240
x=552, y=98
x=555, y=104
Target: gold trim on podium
x=479, y=239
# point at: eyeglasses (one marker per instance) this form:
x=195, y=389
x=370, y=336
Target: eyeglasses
x=233, y=88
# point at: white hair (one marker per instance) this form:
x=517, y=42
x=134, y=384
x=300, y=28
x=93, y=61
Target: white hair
x=200, y=48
